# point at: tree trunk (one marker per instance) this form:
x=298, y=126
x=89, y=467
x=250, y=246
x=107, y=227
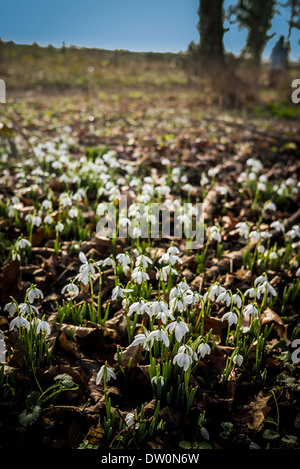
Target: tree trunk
x=210, y=27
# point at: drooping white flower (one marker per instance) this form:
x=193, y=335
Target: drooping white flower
x=254, y=236
x=266, y=287
x=214, y=234
x=214, y=291
x=86, y=273
x=18, y=322
x=139, y=276
x=139, y=307
x=251, y=292
x=270, y=206
x=140, y=339
x=22, y=243
x=184, y=357
x=242, y=229
x=48, y=219
x=159, y=335
x=26, y=308
x=250, y=310
x=59, y=227
x=43, y=326
x=169, y=259
x=225, y=297
x=163, y=273
x=11, y=308
x=204, y=349
x=180, y=328
x=238, y=359
x=273, y=255
x=173, y=250
x=70, y=288
x=130, y=419
x=158, y=307
x=260, y=279
x=237, y=300
x=34, y=293
x=105, y=370
x=118, y=291
x=277, y=225
x=158, y=379
x=231, y=318
x=143, y=260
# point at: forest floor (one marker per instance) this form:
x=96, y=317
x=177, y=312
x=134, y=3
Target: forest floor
x=175, y=372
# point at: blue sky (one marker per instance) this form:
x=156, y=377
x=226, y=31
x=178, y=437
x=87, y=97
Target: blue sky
x=138, y=25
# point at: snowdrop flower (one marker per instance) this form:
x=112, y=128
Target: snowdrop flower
x=108, y=262
x=270, y=206
x=26, y=308
x=118, y=291
x=261, y=186
x=36, y=220
x=238, y=359
x=231, y=318
x=254, y=236
x=139, y=276
x=162, y=274
x=59, y=227
x=136, y=232
x=109, y=374
x=297, y=273
x=165, y=162
x=277, y=225
x=86, y=273
x=158, y=307
x=251, y=292
x=294, y=232
x=169, y=259
x=242, y=229
x=173, y=250
x=204, y=349
x=11, y=308
x=140, y=339
x=237, y=300
x=70, y=288
x=34, y=293
x=47, y=204
x=180, y=289
x=144, y=260
x=184, y=357
x=214, y=234
x=259, y=280
x=266, y=287
x=159, y=379
x=22, y=243
x=159, y=335
x=164, y=315
x=180, y=328
x=124, y=260
x=250, y=310
x=130, y=419
x=224, y=296
x=43, y=326
x=214, y=291
x=255, y=164
x=48, y=219
x=139, y=307
x=18, y=322
x=223, y=190
x=73, y=212
x=273, y=255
